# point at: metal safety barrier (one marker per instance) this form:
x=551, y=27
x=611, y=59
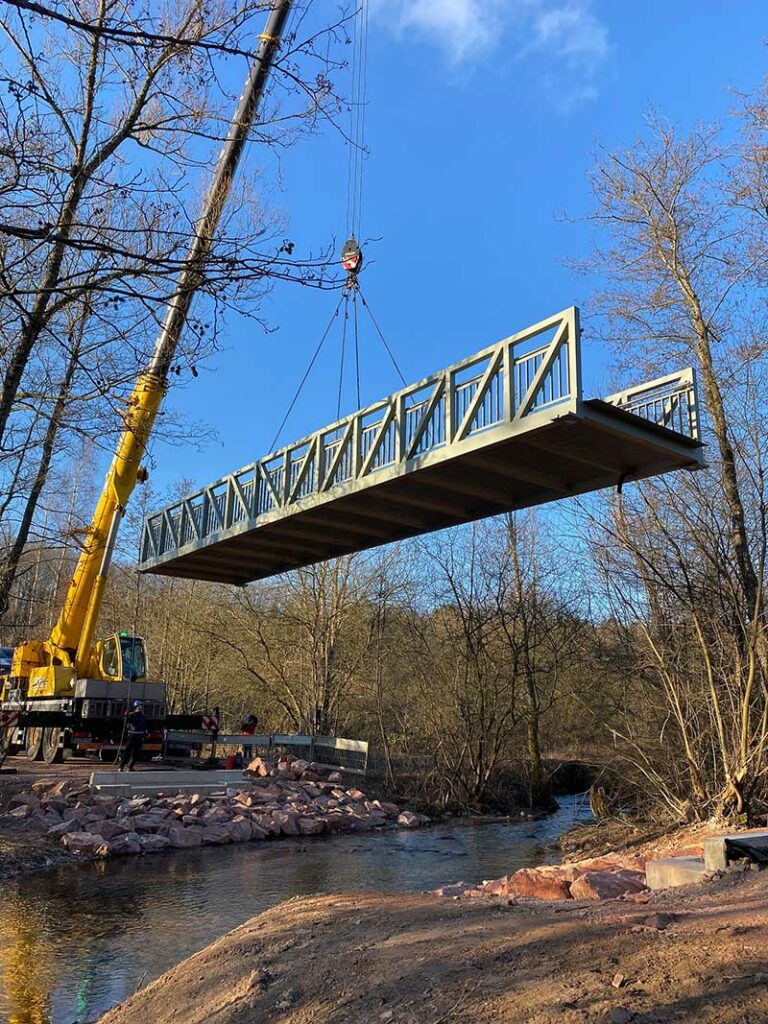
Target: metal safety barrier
x=330, y=752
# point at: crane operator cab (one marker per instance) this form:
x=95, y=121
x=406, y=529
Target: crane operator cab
x=123, y=658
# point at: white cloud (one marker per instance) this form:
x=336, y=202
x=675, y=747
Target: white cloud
x=461, y=27
x=551, y=31
x=573, y=32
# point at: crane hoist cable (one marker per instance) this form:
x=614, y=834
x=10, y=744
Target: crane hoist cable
x=357, y=349
x=351, y=256
x=358, y=103
x=307, y=372
x=351, y=253
x=343, y=347
x=380, y=333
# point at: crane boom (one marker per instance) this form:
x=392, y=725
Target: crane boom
x=70, y=644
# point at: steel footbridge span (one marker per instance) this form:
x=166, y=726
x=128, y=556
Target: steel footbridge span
x=502, y=430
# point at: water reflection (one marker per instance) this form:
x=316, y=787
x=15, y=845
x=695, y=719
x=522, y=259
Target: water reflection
x=75, y=941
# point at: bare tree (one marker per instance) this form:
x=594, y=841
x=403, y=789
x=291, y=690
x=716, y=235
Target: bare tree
x=112, y=121
x=683, y=254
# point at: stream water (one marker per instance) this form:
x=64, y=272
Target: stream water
x=74, y=941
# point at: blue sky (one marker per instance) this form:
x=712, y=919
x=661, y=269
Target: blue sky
x=482, y=119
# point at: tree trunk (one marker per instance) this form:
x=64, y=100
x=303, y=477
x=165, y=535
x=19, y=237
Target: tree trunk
x=10, y=569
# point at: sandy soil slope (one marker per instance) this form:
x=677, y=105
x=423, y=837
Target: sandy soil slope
x=695, y=954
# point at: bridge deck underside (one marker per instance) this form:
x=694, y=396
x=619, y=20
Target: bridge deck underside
x=572, y=455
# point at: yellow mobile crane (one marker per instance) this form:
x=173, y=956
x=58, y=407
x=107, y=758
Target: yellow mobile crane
x=69, y=692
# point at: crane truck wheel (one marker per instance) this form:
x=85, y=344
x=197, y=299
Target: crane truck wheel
x=34, y=744
x=52, y=752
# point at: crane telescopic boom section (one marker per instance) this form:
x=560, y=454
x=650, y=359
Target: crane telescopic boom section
x=71, y=641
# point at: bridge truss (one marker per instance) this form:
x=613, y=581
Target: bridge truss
x=505, y=429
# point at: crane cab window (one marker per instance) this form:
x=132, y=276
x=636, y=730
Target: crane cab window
x=109, y=659
x=124, y=658
x=133, y=657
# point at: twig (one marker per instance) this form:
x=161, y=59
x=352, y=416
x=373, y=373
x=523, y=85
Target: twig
x=459, y=1001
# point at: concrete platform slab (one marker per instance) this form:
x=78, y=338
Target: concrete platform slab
x=720, y=851
x=672, y=871
x=136, y=789
x=148, y=783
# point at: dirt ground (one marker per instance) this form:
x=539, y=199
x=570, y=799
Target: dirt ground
x=693, y=954
x=18, y=773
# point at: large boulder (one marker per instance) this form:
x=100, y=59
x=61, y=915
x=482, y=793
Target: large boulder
x=121, y=846
x=267, y=823
x=68, y=787
x=336, y=822
x=20, y=813
x=216, y=834
x=76, y=814
x=258, y=766
x=185, y=838
x=264, y=794
x=135, y=805
x=541, y=883
x=112, y=829
x=108, y=804
x=25, y=800
x=311, y=826
x=84, y=844
x=145, y=822
x=216, y=816
x=288, y=822
x=54, y=803
x=239, y=830
x=607, y=885
x=407, y=819
x=57, y=831
x=153, y=844
x=391, y=810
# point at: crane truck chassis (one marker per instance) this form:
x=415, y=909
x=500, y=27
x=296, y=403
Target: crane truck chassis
x=89, y=720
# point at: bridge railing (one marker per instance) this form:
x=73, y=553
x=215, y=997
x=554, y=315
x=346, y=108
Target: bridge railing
x=670, y=402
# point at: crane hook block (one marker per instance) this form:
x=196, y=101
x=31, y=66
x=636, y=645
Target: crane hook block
x=351, y=256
